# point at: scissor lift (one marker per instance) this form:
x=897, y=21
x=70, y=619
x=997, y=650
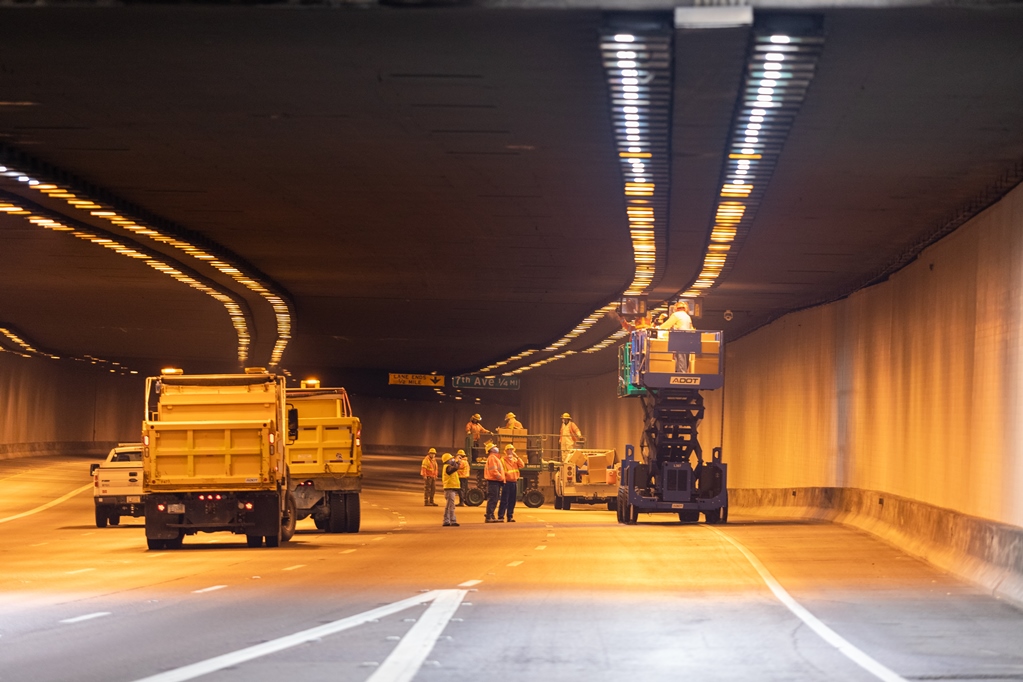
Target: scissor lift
x=667, y=370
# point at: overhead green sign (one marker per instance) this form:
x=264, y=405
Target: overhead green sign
x=475, y=381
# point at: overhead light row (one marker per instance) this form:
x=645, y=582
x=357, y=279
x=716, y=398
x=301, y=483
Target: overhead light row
x=778, y=73
x=12, y=206
x=15, y=342
x=80, y=202
x=638, y=68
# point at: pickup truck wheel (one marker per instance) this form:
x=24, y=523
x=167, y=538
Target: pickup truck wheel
x=353, y=513
x=101, y=517
x=290, y=518
x=559, y=501
x=115, y=519
x=254, y=540
x=338, y=515
x=566, y=503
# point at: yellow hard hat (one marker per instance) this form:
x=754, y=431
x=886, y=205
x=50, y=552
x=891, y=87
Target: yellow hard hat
x=432, y=451
x=566, y=416
x=477, y=416
x=445, y=457
x=460, y=452
x=510, y=415
x=509, y=446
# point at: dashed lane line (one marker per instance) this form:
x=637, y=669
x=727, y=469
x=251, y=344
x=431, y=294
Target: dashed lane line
x=88, y=616
x=514, y=564
x=51, y=503
x=854, y=654
x=346, y=551
x=214, y=588
x=470, y=583
x=541, y=547
x=80, y=570
x=294, y=568
x=190, y=672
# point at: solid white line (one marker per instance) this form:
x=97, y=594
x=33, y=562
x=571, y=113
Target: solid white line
x=190, y=672
x=470, y=583
x=80, y=570
x=410, y=654
x=209, y=589
x=88, y=616
x=292, y=568
x=52, y=503
x=854, y=654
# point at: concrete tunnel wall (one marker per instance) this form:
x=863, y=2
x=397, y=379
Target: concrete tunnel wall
x=61, y=407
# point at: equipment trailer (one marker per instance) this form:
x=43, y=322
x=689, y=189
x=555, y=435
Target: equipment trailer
x=668, y=370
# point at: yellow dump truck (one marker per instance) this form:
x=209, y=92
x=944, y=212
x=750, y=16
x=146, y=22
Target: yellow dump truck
x=325, y=459
x=213, y=457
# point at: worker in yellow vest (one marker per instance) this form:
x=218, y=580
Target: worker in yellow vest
x=494, y=473
x=463, y=476
x=449, y=475
x=429, y=473
x=509, y=490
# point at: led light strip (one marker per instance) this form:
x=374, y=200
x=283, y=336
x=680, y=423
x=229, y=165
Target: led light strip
x=778, y=74
x=280, y=306
x=638, y=66
x=18, y=345
x=14, y=206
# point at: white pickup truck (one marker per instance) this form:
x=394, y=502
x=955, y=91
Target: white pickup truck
x=117, y=485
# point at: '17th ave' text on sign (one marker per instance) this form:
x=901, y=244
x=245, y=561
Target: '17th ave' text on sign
x=415, y=379
x=471, y=381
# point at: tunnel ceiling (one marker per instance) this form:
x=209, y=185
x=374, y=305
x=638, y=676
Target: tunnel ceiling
x=437, y=189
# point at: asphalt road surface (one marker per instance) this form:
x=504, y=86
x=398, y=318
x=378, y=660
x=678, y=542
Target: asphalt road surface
x=559, y=595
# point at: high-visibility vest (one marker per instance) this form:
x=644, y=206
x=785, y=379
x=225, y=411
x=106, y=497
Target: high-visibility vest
x=451, y=481
x=495, y=468
x=511, y=468
x=429, y=469
x=463, y=468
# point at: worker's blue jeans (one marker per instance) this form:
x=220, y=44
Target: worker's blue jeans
x=507, y=508
x=493, y=496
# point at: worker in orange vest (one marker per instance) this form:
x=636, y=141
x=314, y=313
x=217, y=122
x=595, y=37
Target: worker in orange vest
x=463, y=476
x=510, y=422
x=474, y=431
x=512, y=464
x=494, y=473
x=429, y=473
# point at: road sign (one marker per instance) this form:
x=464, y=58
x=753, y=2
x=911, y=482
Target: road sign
x=434, y=380
x=473, y=381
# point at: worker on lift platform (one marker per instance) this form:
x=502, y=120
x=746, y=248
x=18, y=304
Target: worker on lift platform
x=510, y=422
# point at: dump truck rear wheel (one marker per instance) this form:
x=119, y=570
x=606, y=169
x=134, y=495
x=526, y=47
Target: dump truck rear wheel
x=336, y=522
x=290, y=518
x=353, y=513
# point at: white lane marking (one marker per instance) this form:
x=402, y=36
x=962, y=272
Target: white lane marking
x=209, y=589
x=38, y=544
x=88, y=616
x=410, y=654
x=854, y=654
x=470, y=583
x=541, y=546
x=190, y=672
x=292, y=568
x=550, y=535
x=52, y=503
x=80, y=570
x=346, y=551
x=514, y=564
x=378, y=539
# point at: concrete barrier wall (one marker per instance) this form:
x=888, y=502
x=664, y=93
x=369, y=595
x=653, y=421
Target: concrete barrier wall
x=911, y=387
x=63, y=407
